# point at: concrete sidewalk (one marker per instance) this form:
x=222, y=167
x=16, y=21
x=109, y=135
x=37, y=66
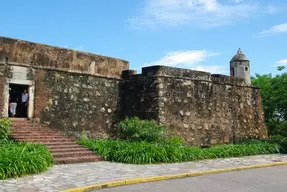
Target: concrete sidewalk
x=62, y=177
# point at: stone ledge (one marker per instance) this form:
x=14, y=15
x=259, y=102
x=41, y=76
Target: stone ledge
x=224, y=79
x=128, y=73
x=175, y=72
x=186, y=74
x=36, y=54
x=2, y=38
x=228, y=80
x=61, y=70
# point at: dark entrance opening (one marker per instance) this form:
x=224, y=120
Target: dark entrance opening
x=15, y=96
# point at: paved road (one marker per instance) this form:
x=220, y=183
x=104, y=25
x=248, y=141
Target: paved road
x=272, y=179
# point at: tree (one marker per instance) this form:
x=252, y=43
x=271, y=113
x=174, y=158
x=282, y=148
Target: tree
x=274, y=96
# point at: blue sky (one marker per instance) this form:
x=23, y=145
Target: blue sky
x=195, y=34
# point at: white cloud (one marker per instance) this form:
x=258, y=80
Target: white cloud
x=157, y=13
x=282, y=62
x=276, y=29
x=186, y=58
x=189, y=60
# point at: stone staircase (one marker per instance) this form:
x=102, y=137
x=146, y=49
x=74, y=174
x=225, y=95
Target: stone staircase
x=64, y=149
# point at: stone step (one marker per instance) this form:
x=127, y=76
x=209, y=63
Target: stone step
x=71, y=160
x=43, y=140
x=71, y=149
x=13, y=119
x=16, y=123
x=73, y=154
x=59, y=146
x=63, y=148
x=33, y=132
x=26, y=125
x=17, y=135
x=32, y=129
x=20, y=136
x=58, y=143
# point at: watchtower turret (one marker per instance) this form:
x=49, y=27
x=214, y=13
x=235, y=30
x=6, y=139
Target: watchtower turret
x=240, y=67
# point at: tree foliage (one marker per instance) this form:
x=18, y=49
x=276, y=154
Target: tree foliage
x=274, y=96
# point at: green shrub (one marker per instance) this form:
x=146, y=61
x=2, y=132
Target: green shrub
x=280, y=129
x=150, y=153
x=17, y=159
x=5, y=127
x=223, y=151
x=281, y=141
x=135, y=129
x=174, y=140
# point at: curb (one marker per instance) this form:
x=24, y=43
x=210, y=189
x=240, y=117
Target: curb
x=167, y=177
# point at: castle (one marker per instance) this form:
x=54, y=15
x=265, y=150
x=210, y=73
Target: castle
x=75, y=91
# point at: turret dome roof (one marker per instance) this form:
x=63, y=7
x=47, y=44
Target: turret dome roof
x=239, y=56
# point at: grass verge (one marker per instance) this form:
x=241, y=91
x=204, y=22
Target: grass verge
x=152, y=153
x=18, y=159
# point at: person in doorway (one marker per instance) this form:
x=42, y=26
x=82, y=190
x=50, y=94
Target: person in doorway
x=13, y=103
x=24, y=104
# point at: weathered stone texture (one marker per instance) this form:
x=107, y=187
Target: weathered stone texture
x=175, y=72
x=74, y=103
x=139, y=97
x=202, y=108
x=39, y=55
x=2, y=84
x=227, y=80
x=209, y=113
x=42, y=94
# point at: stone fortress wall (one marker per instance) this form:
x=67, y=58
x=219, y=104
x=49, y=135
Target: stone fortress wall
x=202, y=108
x=74, y=91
